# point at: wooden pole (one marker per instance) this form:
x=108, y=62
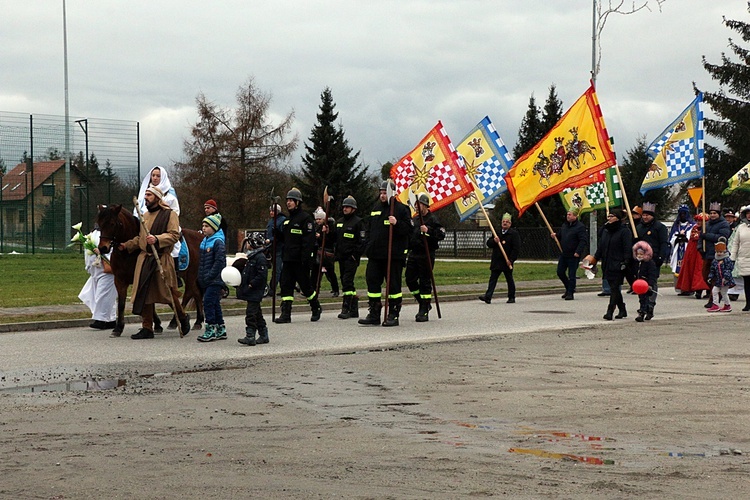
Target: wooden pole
x=492, y=228
x=326, y=205
x=627, y=203
x=548, y=226
x=703, y=209
x=390, y=195
x=429, y=261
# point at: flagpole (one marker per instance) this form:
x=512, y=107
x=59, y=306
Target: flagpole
x=492, y=228
x=548, y=226
x=703, y=209
x=625, y=199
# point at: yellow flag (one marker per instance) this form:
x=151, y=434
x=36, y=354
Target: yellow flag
x=576, y=147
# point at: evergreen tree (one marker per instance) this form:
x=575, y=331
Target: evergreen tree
x=553, y=110
x=530, y=131
x=329, y=161
x=731, y=103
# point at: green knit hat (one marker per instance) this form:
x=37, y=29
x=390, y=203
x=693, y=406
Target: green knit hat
x=214, y=221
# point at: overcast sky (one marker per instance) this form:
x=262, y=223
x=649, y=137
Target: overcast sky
x=395, y=67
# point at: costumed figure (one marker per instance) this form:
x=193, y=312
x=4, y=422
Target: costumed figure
x=159, y=178
x=678, y=240
x=99, y=292
x=690, y=279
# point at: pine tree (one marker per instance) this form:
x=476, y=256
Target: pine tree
x=330, y=162
x=553, y=110
x=633, y=170
x=731, y=103
x=530, y=131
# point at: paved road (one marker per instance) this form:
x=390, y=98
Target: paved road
x=45, y=356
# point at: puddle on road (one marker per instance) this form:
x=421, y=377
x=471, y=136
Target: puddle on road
x=69, y=386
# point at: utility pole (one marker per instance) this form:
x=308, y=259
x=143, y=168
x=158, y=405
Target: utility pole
x=67, y=123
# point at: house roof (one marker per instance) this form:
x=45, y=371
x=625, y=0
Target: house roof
x=13, y=187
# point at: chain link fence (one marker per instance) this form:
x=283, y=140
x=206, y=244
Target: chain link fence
x=40, y=193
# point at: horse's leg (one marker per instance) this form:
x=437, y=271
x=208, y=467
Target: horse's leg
x=120, y=323
x=199, y=318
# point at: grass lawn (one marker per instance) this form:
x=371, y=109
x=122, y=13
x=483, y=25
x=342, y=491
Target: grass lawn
x=54, y=279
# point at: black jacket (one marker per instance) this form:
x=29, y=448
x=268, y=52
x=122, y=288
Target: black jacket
x=298, y=237
x=254, y=277
x=645, y=270
x=615, y=250
x=350, y=237
x=573, y=238
x=378, y=227
x=435, y=234
x=714, y=230
x=656, y=235
x=511, y=242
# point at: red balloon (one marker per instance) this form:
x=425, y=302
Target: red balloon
x=640, y=286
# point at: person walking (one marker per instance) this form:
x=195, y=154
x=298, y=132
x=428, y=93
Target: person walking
x=251, y=289
x=573, y=238
x=720, y=277
x=716, y=227
x=679, y=236
x=644, y=268
x=162, y=230
x=213, y=259
x=740, y=251
x=614, y=254
x=653, y=232
x=99, y=292
x=298, y=236
x=324, y=257
x=511, y=242
x=426, y=227
x=350, y=244
x=378, y=226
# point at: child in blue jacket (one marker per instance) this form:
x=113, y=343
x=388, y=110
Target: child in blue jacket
x=213, y=260
x=252, y=288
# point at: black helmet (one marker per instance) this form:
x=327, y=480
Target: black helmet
x=256, y=239
x=424, y=199
x=349, y=201
x=294, y=194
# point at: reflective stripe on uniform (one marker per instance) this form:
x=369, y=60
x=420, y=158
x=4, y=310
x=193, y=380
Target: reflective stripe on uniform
x=348, y=235
x=287, y=299
x=371, y=295
x=296, y=231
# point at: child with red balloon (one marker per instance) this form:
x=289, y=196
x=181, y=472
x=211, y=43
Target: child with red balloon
x=646, y=274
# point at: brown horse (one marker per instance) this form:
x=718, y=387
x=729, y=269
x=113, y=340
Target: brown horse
x=118, y=226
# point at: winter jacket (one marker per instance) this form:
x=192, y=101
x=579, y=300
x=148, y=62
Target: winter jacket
x=644, y=269
x=511, y=242
x=270, y=233
x=254, y=277
x=656, y=235
x=573, y=238
x=435, y=233
x=350, y=237
x=721, y=272
x=378, y=227
x=714, y=230
x=614, y=250
x=740, y=248
x=298, y=236
x=213, y=259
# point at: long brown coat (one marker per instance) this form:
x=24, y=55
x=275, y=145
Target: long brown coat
x=158, y=292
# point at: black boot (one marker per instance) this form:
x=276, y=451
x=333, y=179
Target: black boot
x=249, y=338
x=392, y=319
x=262, y=335
x=286, y=312
x=649, y=314
x=354, y=307
x=373, y=316
x=641, y=314
x=424, y=310
x=316, y=309
x=344, y=314
x=621, y=311
x=610, y=311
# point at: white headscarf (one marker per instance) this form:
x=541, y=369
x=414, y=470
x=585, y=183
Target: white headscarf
x=170, y=197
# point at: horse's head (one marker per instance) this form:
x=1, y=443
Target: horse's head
x=108, y=220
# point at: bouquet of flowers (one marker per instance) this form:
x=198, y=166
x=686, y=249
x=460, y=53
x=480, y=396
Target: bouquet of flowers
x=88, y=242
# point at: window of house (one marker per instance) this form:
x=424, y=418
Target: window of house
x=48, y=190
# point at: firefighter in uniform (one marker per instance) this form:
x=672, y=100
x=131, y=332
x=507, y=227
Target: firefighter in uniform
x=297, y=234
x=378, y=226
x=418, y=270
x=350, y=240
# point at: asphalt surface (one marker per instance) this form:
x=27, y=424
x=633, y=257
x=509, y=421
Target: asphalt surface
x=65, y=352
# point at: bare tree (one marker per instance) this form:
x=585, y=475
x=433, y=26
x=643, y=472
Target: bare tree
x=235, y=156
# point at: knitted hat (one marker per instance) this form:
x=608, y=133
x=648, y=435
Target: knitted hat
x=507, y=216
x=617, y=212
x=721, y=245
x=649, y=208
x=319, y=213
x=574, y=210
x=214, y=221
x=636, y=210
x=211, y=203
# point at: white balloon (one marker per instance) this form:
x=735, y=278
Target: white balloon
x=231, y=276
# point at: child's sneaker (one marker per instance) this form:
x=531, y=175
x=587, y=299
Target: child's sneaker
x=209, y=334
x=221, y=332
x=726, y=309
x=714, y=308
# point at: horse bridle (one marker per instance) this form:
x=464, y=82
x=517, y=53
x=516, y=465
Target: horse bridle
x=113, y=244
